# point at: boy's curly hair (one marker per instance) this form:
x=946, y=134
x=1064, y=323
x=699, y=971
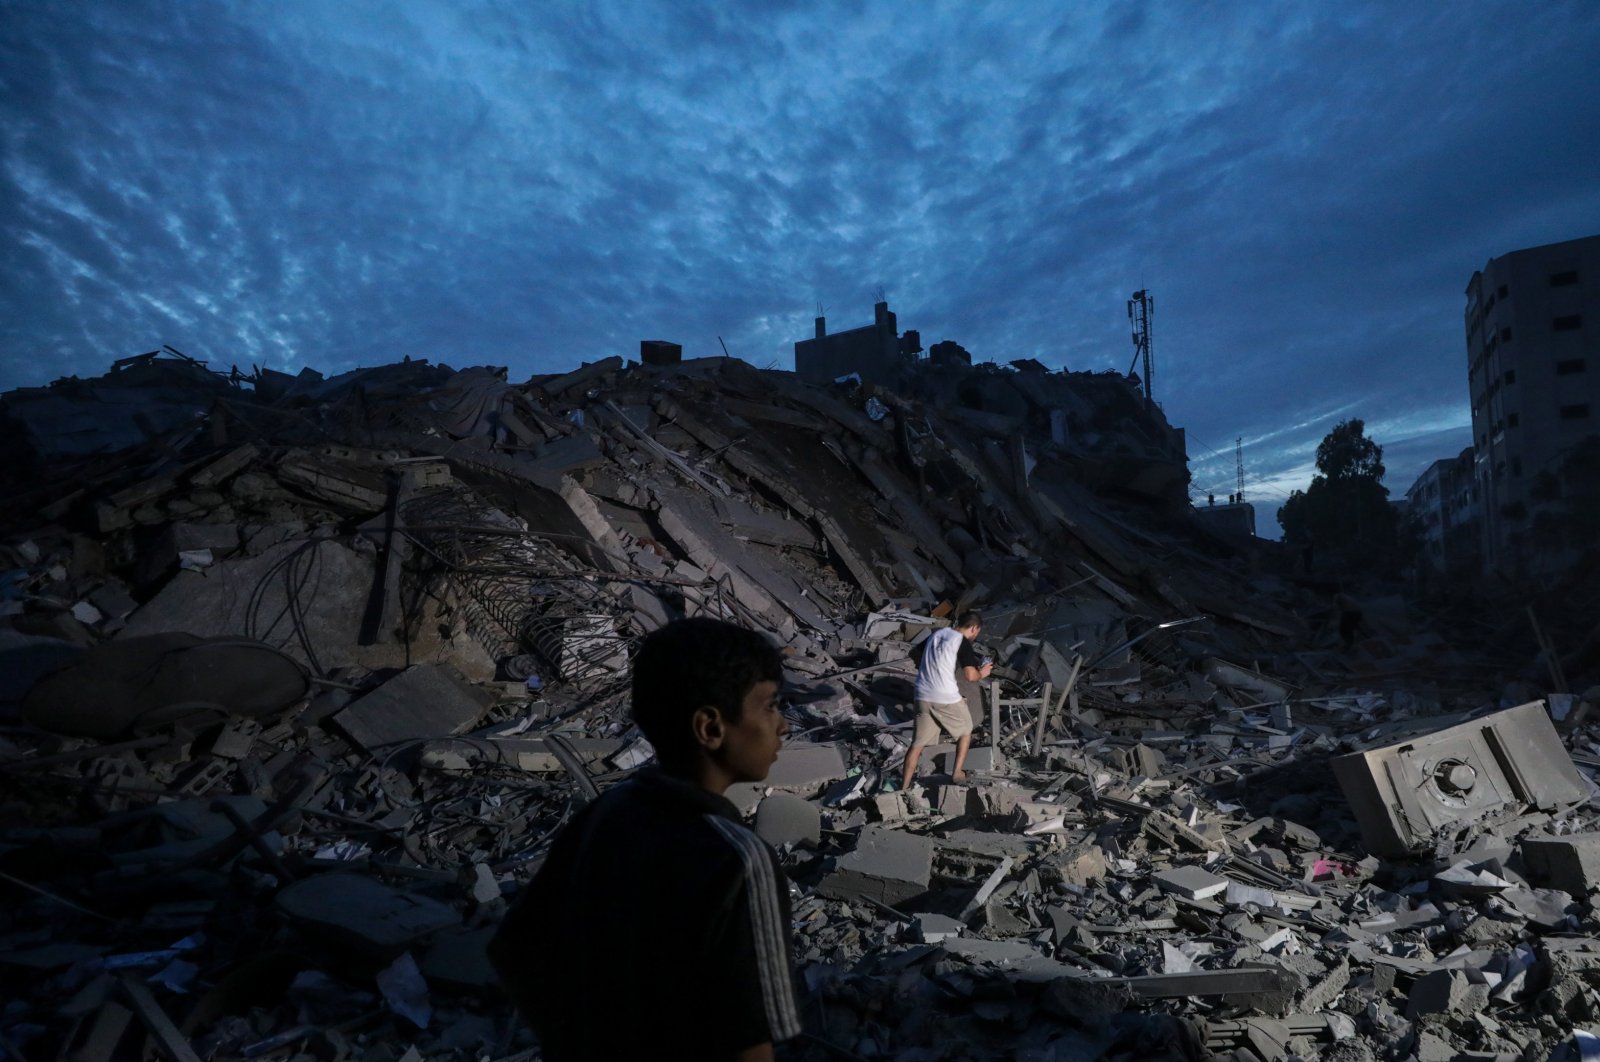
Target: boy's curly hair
x=692, y=663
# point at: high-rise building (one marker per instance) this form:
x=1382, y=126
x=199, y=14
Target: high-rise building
x=1533, y=354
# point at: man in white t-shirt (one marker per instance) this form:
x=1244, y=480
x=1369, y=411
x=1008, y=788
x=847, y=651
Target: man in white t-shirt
x=939, y=701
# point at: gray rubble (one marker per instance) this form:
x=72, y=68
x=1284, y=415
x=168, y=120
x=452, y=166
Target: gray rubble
x=1193, y=825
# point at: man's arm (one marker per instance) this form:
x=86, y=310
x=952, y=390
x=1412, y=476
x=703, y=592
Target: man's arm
x=758, y=1053
x=970, y=665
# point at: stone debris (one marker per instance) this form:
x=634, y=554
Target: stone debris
x=300, y=675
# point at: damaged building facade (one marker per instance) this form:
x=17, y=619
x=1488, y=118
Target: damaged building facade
x=302, y=674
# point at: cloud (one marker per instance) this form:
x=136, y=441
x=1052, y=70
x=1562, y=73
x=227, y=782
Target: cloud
x=1306, y=189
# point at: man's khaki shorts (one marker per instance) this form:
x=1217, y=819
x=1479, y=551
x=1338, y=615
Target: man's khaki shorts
x=955, y=718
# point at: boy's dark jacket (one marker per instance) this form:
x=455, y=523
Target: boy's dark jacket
x=658, y=922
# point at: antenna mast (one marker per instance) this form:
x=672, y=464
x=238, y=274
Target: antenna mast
x=1238, y=461
x=1141, y=308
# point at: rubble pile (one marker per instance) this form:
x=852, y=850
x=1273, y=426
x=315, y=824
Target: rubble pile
x=301, y=675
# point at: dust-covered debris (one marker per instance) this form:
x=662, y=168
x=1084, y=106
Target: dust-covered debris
x=302, y=675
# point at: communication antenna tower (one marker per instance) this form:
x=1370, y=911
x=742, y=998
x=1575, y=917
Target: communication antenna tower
x=1238, y=462
x=1141, y=308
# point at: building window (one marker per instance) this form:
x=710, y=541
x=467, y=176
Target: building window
x=1502, y=292
x=1569, y=366
x=1512, y=419
x=1561, y=280
x=1511, y=376
x=1577, y=412
x=1570, y=323
x=1505, y=334
x=1516, y=466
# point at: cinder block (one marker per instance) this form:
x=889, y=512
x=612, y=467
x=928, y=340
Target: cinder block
x=1423, y=777
x=887, y=865
x=1570, y=863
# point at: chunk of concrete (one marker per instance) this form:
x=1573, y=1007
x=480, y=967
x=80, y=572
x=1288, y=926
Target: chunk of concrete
x=803, y=769
x=1193, y=882
x=784, y=818
x=954, y=800
x=1570, y=863
x=1079, y=864
x=301, y=597
x=932, y=928
x=1422, y=777
x=887, y=865
x=424, y=701
x=1449, y=992
x=364, y=913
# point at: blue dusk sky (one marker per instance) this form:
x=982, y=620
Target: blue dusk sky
x=1305, y=188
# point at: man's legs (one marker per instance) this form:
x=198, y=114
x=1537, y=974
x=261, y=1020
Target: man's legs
x=911, y=766
x=963, y=743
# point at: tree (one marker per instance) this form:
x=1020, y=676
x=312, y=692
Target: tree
x=1347, y=453
x=1346, y=511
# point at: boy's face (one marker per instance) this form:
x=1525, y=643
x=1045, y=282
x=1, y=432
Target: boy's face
x=750, y=747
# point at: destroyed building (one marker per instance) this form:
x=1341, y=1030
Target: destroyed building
x=302, y=675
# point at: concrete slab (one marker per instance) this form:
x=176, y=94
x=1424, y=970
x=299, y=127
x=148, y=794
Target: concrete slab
x=803, y=769
x=784, y=818
x=424, y=701
x=250, y=597
x=933, y=928
x=1194, y=882
x=364, y=912
x=888, y=866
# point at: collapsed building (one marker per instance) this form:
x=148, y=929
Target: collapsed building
x=302, y=675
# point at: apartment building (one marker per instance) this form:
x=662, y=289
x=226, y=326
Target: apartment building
x=1533, y=353
x=1444, y=502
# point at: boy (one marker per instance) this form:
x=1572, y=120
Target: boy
x=939, y=700
x=658, y=925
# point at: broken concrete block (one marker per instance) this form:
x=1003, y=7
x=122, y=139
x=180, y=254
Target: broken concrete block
x=364, y=912
x=1449, y=992
x=784, y=818
x=891, y=807
x=1190, y=881
x=801, y=768
x=887, y=865
x=932, y=928
x=1423, y=778
x=1080, y=864
x=423, y=701
x=954, y=801
x=1570, y=863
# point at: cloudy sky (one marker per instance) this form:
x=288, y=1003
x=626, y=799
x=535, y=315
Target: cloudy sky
x=1305, y=187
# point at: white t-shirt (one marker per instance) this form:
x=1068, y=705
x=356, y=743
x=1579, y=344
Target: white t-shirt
x=936, y=675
